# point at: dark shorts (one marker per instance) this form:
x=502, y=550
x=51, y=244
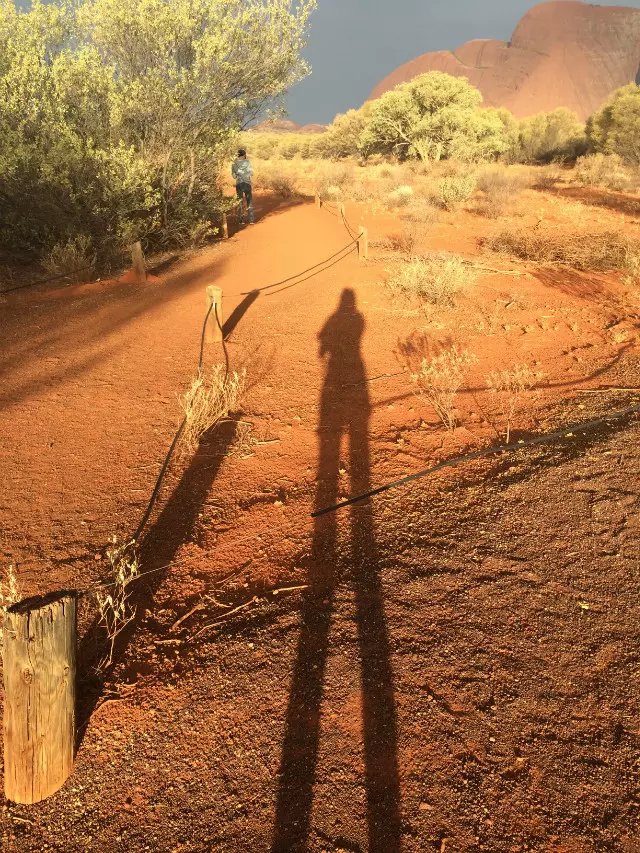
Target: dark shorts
x=244, y=190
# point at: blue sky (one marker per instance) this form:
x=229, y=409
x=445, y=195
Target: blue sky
x=355, y=43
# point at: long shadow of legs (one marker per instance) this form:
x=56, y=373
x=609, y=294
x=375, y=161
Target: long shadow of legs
x=344, y=413
x=160, y=545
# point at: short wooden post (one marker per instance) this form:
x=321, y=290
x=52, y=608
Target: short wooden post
x=214, y=325
x=39, y=652
x=137, y=261
x=225, y=227
x=363, y=243
x=318, y=202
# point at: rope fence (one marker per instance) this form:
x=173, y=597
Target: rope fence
x=57, y=611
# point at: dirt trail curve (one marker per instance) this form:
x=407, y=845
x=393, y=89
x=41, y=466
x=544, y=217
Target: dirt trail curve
x=89, y=382
x=450, y=668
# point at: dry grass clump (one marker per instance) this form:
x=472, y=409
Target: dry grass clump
x=545, y=177
x=281, y=184
x=500, y=190
x=74, y=259
x=211, y=397
x=407, y=239
x=510, y=386
x=599, y=252
x=440, y=379
x=115, y=611
x=455, y=190
x=603, y=170
x=401, y=196
x=434, y=280
x=421, y=210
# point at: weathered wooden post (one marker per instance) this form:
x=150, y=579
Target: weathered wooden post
x=318, y=201
x=214, y=326
x=137, y=262
x=225, y=227
x=363, y=243
x=39, y=657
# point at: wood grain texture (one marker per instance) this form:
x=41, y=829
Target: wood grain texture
x=39, y=654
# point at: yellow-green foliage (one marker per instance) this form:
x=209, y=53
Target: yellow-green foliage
x=267, y=145
x=558, y=135
x=432, y=117
x=455, y=190
x=616, y=128
x=115, y=115
x=603, y=170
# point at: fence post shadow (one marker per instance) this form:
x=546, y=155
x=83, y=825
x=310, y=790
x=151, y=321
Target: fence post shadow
x=344, y=413
x=159, y=546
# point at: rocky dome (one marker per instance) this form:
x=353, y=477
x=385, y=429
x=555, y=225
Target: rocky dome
x=564, y=53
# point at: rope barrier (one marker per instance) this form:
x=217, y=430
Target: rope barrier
x=167, y=460
x=304, y=272
x=587, y=426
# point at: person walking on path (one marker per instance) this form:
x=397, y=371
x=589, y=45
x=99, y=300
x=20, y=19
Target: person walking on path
x=242, y=171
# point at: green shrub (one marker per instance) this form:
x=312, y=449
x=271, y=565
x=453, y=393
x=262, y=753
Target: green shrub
x=75, y=259
x=544, y=138
x=454, y=191
x=615, y=129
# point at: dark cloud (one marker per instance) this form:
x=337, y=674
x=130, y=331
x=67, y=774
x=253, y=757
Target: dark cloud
x=353, y=44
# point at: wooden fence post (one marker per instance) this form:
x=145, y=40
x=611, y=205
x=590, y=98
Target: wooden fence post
x=39, y=652
x=318, y=202
x=137, y=260
x=363, y=243
x=214, y=331
x=225, y=227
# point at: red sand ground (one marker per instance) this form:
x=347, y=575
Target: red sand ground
x=562, y=54
x=449, y=667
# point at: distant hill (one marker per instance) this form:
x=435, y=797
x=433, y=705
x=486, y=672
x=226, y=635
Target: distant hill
x=283, y=125
x=564, y=53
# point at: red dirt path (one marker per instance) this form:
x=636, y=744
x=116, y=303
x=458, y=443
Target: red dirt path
x=457, y=674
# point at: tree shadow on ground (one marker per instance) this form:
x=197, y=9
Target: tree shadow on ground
x=595, y=197
x=89, y=325
x=344, y=414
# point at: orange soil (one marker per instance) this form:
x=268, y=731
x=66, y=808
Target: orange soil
x=90, y=379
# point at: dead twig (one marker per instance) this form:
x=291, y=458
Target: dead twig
x=284, y=589
x=206, y=627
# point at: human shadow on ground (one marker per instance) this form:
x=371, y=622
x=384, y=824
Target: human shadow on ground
x=344, y=413
x=171, y=528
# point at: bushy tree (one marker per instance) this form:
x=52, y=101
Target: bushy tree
x=615, y=129
x=115, y=114
x=432, y=117
x=543, y=138
x=343, y=137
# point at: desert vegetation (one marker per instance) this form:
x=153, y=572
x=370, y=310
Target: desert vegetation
x=440, y=378
x=107, y=139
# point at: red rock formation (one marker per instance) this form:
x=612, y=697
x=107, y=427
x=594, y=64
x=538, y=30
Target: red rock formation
x=564, y=53
x=313, y=128
x=277, y=125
